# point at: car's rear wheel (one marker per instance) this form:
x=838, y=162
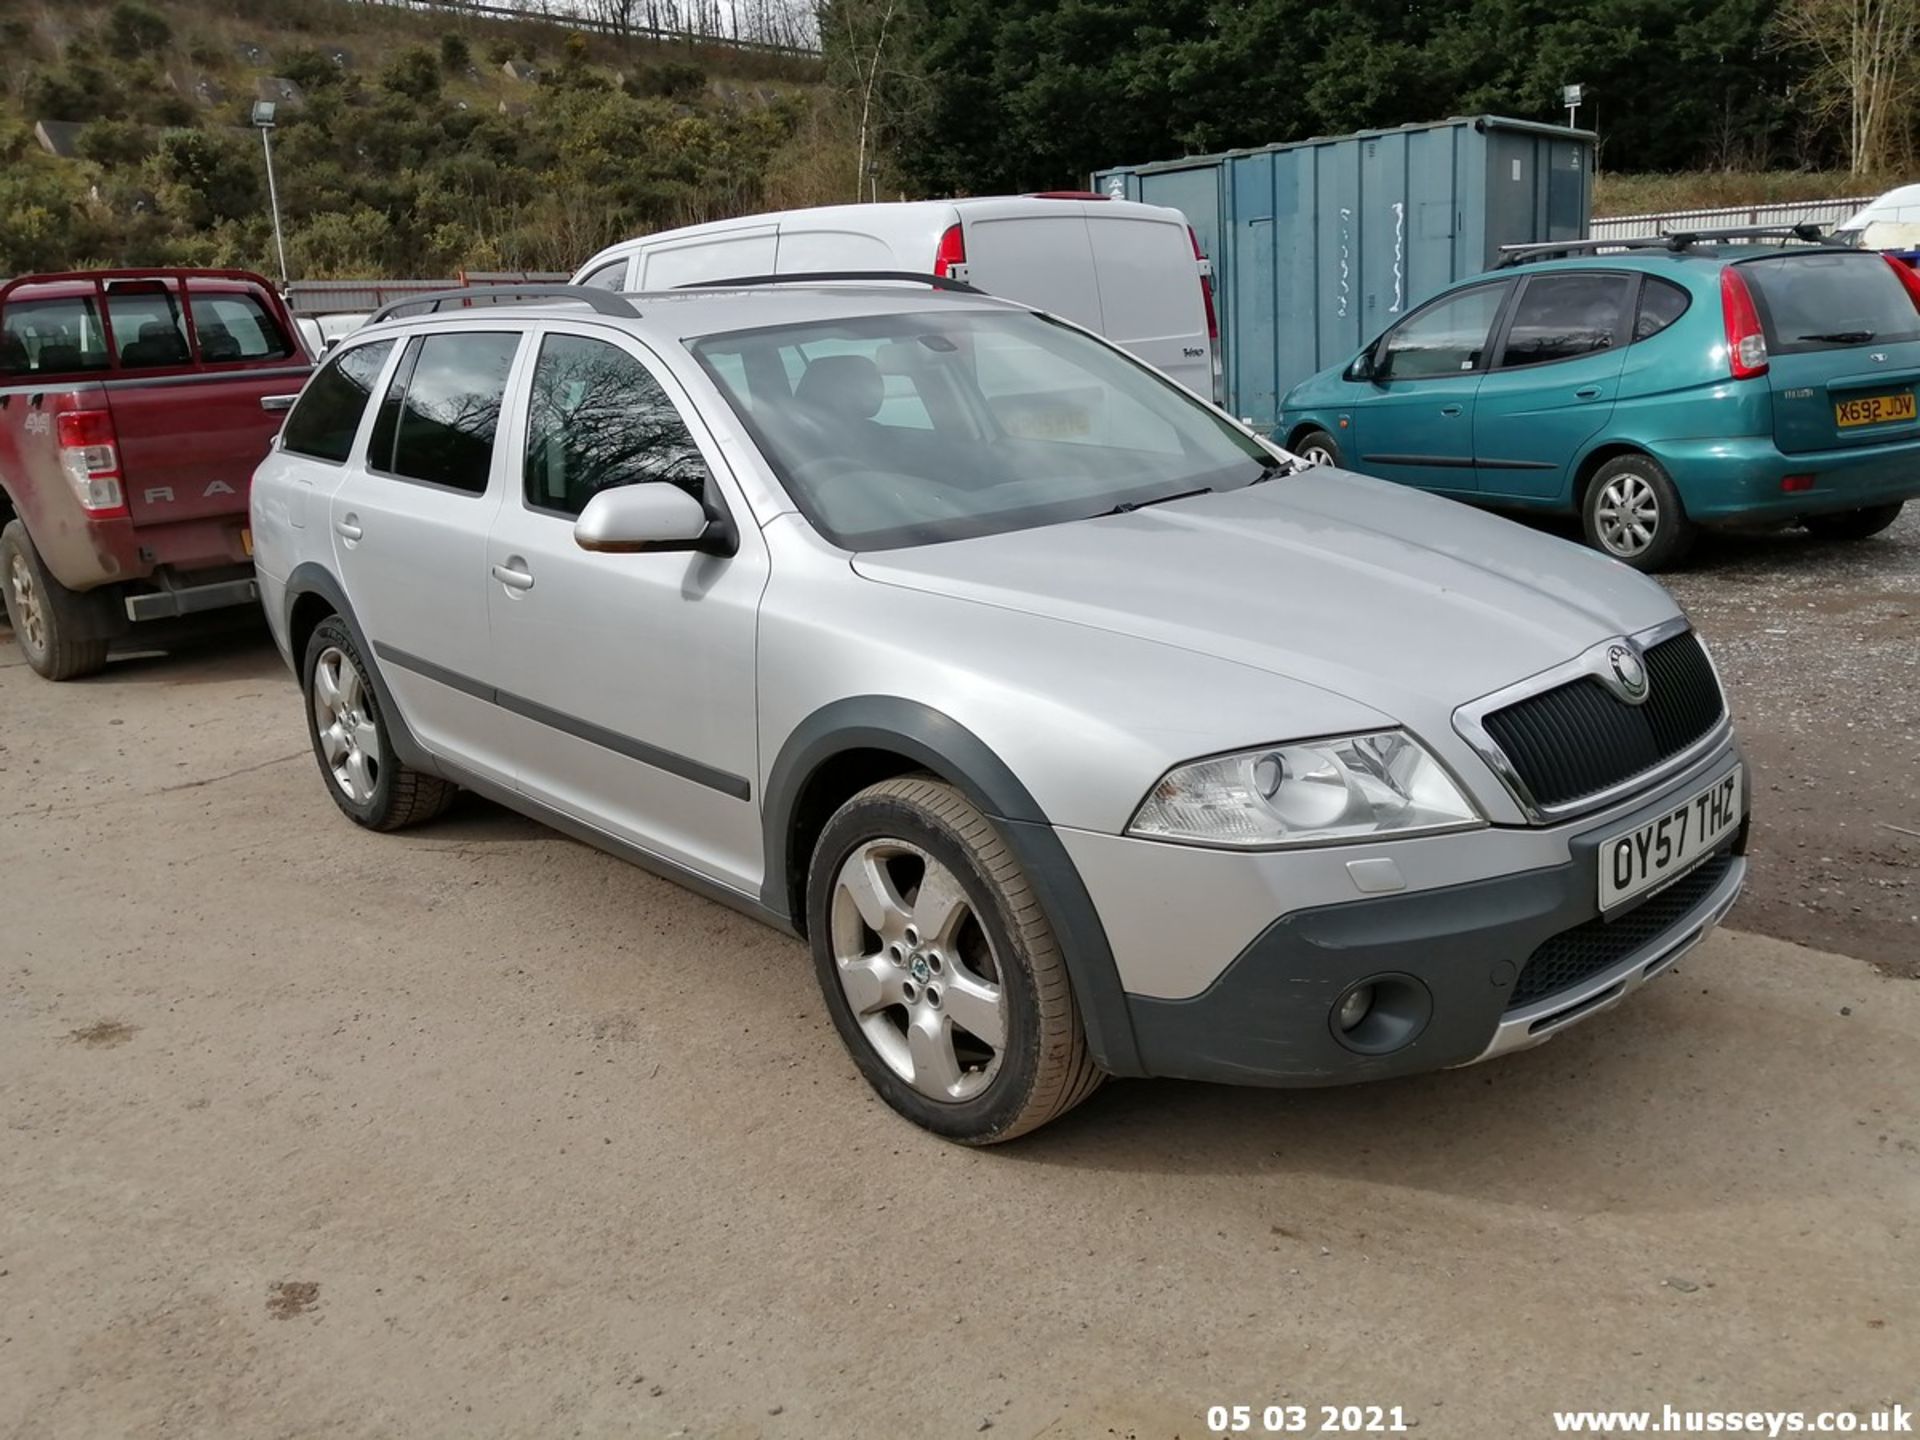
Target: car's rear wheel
x=1632, y=512
x=1317, y=447
x=939, y=968
x=351, y=740
x=50, y=621
x=1853, y=524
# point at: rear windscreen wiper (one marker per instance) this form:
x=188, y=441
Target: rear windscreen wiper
x=1843, y=337
x=1127, y=507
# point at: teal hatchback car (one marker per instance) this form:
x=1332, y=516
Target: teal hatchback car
x=1663, y=385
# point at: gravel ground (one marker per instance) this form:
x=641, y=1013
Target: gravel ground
x=1819, y=645
x=474, y=1132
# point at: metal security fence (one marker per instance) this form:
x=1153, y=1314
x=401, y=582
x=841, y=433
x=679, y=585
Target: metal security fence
x=346, y=297
x=1791, y=212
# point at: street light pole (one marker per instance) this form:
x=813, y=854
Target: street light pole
x=263, y=113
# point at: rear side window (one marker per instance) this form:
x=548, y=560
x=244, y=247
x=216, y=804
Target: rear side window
x=607, y=277
x=52, y=337
x=598, y=420
x=148, y=328
x=1828, y=299
x=1661, y=303
x=438, y=420
x=1560, y=317
x=236, y=327
x=327, y=416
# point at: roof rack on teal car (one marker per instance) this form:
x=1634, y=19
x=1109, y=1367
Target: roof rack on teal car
x=1674, y=240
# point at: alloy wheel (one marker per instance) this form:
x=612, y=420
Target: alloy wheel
x=1318, y=455
x=918, y=970
x=349, y=740
x=27, y=612
x=1628, y=515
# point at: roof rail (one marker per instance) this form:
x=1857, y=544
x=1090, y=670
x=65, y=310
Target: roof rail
x=808, y=277
x=1807, y=230
x=1674, y=240
x=602, y=302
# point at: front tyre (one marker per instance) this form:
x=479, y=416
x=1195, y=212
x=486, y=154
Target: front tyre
x=1632, y=512
x=1853, y=524
x=939, y=968
x=351, y=741
x=1317, y=447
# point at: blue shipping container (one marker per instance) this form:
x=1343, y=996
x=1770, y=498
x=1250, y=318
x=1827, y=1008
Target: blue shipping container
x=1319, y=246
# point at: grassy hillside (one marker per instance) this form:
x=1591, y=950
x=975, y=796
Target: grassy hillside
x=1714, y=189
x=408, y=150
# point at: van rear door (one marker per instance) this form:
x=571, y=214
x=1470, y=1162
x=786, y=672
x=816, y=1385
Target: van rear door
x=1843, y=348
x=1150, y=290
x=1036, y=252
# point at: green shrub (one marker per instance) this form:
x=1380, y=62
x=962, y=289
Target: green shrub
x=133, y=30
x=114, y=142
x=499, y=53
x=455, y=54
x=309, y=68
x=673, y=80
x=414, y=73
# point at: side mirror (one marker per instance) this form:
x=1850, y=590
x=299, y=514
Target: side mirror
x=647, y=518
x=1362, y=367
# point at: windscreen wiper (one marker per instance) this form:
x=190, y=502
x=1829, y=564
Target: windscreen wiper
x=1278, y=467
x=1127, y=507
x=1843, y=337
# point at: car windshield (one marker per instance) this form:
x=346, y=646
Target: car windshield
x=911, y=429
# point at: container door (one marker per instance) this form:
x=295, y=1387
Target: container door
x=1843, y=348
x=1554, y=381
x=1414, y=420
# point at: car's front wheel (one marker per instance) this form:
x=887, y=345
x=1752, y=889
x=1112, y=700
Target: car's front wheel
x=1853, y=524
x=1633, y=513
x=1317, y=447
x=939, y=967
x=351, y=740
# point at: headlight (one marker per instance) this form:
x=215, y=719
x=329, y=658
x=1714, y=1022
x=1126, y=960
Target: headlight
x=1345, y=789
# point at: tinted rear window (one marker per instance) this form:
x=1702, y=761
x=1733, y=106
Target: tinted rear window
x=52, y=337
x=1826, y=300
x=1563, y=316
x=327, y=416
x=442, y=409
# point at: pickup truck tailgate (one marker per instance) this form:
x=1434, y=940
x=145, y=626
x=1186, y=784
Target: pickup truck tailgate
x=189, y=444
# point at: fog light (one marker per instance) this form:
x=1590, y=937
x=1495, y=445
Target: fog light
x=1353, y=1008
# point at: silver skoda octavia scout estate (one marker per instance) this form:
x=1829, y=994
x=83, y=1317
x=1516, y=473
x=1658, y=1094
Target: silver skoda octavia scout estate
x=1077, y=730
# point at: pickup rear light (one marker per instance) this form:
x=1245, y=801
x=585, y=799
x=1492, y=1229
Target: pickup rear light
x=1746, y=341
x=1909, y=277
x=1213, y=319
x=90, y=456
x=950, y=256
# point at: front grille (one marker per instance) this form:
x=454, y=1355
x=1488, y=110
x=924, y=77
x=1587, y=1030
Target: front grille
x=1587, y=950
x=1580, y=738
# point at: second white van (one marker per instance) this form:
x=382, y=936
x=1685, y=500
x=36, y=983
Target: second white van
x=1131, y=272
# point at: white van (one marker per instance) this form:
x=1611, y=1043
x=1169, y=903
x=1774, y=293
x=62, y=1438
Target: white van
x=1131, y=272
x=1890, y=223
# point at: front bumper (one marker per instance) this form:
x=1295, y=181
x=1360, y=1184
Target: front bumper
x=1456, y=955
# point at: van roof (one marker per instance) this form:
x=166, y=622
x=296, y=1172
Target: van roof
x=694, y=313
x=882, y=213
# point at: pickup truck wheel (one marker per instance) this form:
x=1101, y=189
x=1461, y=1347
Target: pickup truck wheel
x=1632, y=512
x=1853, y=524
x=350, y=740
x=940, y=969
x=49, y=620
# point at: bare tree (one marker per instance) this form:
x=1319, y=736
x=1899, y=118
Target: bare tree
x=1862, y=64
x=867, y=55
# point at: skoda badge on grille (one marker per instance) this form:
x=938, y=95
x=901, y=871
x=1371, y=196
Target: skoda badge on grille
x=1629, y=673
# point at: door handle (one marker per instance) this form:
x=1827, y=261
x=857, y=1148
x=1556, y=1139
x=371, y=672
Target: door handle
x=274, y=403
x=513, y=574
x=349, y=527
x=1450, y=409
x=1591, y=392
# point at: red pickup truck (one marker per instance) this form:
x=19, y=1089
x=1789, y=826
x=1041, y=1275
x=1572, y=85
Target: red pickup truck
x=134, y=405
